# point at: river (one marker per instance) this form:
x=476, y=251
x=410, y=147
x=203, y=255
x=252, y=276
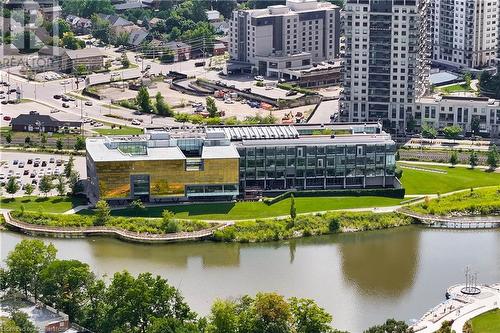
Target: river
x=361, y=278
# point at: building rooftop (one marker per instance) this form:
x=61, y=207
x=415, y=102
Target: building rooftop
x=84, y=53
x=45, y=120
x=292, y=7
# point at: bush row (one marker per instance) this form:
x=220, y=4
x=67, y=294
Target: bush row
x=387, y=192
x=308, y=225
x=473, y=202
x=134, y=224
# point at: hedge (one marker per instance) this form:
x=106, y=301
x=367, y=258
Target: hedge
x=386, y=192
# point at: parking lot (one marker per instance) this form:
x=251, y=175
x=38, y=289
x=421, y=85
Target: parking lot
x=24, y=168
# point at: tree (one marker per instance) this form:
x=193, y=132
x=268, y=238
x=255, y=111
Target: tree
x=170, y=225
x=74, y=182
x=133, y=303
x=101, y=28
x=102, y=213
x=493, y=157
x=309, y=317
x=86, y=8
x=475, y=125
x=410, y=123
x=223, y=317
x=8, y=137
x=468, y=80
x=143, y=100
x=57, y=28
x=168, y=56
x=7, y=325
x=120, y=38
x=12, y=186
x=452, y=132
x=64, y=284
x=390, y=325
x=94, y=309
x=25, y=263
x=397, y=156
x=43, y=139
x=454, y=158
x=473, y=159
x=59, y=144
x=81, y=69
x=45, y=185
x=69, y=41
x=293, y=210
x=22, y=321
x=61, y=185
x=428, y=131
x=68, y=168
x=137, y=204
x=334, y=224
x=80, y=143
x=211, y=107
x=27, y=140
x=125, y=61
x=162, y=107
x=272, y=313
x=28, y=189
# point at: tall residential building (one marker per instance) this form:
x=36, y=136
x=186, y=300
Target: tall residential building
x=464, y=33
x=292, y=36
x=386, y=63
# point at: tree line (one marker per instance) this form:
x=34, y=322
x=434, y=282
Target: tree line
x=148, y=303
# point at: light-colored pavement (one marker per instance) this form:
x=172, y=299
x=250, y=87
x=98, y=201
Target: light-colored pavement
x=324, y=111
x=459, y=308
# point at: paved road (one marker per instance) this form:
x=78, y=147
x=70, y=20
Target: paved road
x=324, y=111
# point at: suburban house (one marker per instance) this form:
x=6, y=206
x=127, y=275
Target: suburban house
x=221, y=27
x=42, y=123
x=137, y=37
x=52, y=12
x=182, y=51
x=213, y=15
x=92, y=58
x=78, y=24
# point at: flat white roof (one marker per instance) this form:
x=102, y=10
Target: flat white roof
x=101, y=153
x=219, y=152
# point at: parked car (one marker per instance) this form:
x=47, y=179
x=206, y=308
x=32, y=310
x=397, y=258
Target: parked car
x=136, y=122
x=259, y=78
x=291, y=93
x=58, y=162
x=15, y=162
x=4, y=102
x=57, y=96
x=65, y=105
x=26, y=172
x=88, y=103
x=21, y=165
x=54, y=111
x=44, y=163
x=34, y=112
x=36, y=164
x=199, y=64
x=34, y=182
x=32, y=175
x=52, y=160
x=7, y=118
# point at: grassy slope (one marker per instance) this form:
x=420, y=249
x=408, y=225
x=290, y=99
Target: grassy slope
x=44, y=204
x=488, y=322
x=252, y=210
x=480, y=201
x=424, y=182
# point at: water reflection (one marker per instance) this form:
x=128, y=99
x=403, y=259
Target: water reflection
x=380, y=263
x=169, y=255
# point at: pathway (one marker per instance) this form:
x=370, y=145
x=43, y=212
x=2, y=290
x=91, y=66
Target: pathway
x=76, y=209
x=70, y=232
x=459, y=308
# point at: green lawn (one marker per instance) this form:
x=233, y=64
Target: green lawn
x=488, y=322
x=125, y=130
x=44, y=204
x=252, y=210
x=425, y=182
x=455, y=88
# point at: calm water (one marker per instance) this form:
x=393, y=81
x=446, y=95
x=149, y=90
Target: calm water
x=361, y=278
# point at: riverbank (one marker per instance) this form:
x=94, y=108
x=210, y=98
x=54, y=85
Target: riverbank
x=150, y=230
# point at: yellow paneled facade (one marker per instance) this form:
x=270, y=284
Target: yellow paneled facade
x=168, y=178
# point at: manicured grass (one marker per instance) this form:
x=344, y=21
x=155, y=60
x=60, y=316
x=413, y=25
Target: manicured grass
x=425, y=182
x=255, y=210
x=42, y=204
x=488, y=322
x=455, y=88
x=125, y=130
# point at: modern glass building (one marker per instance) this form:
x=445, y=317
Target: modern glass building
x=224, y=162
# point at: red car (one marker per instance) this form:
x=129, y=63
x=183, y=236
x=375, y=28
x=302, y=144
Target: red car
x=7, y=118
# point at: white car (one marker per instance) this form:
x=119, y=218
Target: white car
x=2, y=176
x=259, y=78
x=98, y=124
x=136, y=122
x=229, y=101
